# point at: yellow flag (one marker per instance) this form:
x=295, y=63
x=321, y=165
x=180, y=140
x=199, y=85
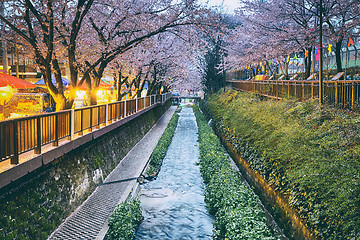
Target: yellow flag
x=329, y=48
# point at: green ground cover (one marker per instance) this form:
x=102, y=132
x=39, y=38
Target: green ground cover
x=236, y=209
x=161, y=148
x=124, y=221
x=310, y=155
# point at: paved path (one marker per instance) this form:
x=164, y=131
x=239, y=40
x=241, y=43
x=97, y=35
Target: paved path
x=89, y=221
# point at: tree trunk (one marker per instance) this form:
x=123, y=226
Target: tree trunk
x=93, y=97
x=308, y=63
x=119, y=84
x=338, y=55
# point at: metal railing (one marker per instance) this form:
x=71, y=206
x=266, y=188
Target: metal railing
x=341, y=93
x=22, y=135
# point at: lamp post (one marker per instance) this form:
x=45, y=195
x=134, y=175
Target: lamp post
x=321, y=97
x=3, y=42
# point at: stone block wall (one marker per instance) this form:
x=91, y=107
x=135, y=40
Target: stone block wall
x=33, y=206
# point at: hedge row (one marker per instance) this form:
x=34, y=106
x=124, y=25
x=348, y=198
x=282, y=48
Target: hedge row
x=161, y=148
x=236, y=209
x=124, y=221
x=310, y=155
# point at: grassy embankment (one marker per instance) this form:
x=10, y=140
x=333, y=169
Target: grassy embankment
x=309, y=155
x=236, y=209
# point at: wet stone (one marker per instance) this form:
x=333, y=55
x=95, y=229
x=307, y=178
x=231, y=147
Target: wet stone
x=173, y=205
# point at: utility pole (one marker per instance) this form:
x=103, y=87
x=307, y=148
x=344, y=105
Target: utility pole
x=321, y=97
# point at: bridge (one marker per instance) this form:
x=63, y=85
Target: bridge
x=176, y=98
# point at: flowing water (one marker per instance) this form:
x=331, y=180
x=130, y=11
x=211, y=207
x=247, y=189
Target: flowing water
x=173, y=205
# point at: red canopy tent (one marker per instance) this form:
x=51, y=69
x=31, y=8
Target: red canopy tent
x=102, y=86
x=14, y=82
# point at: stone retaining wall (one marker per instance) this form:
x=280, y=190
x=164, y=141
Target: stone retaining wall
x=34, y=205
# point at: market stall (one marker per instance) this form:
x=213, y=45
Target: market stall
x=9, y=86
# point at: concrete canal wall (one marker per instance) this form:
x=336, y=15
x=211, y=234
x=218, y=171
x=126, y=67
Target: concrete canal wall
x=34, y=205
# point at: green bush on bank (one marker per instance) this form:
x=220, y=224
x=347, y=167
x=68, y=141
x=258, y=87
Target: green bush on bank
x=310, y=155
x=124, y=221
x=161, y=148
x=236, y=208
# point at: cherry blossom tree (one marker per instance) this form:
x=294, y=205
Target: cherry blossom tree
x=88, y=36
x=131, y=23
x=164, y=60
x=341, y=20
x=39, y=24
x=276, y=29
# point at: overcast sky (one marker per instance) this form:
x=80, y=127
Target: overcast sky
x=229, y=5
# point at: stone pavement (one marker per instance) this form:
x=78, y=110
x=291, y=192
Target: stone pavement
x=89, y=221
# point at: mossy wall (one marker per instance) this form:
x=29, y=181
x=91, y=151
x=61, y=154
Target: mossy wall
x=33, y=206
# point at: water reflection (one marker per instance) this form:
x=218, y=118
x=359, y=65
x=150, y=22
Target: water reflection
x=173, y=205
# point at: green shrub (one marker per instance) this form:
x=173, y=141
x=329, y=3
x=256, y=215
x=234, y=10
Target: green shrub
x=124, y=221
x=236, y=209
x=309, y=154
x=161, y=148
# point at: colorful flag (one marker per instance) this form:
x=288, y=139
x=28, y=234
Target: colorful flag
x=351, y=42
x=329, y=48
x=306, y=53
x=288, y=58
x=317, y=54
x=295, y=57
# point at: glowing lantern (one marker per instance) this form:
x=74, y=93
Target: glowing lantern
x=6, y=94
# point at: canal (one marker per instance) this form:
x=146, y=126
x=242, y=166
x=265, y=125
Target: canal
x=173, y=205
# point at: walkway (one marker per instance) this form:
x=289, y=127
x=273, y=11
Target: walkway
x=89, y=221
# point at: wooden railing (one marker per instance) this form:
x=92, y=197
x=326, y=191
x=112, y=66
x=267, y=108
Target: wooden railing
x=342, y=93
x=21, y=135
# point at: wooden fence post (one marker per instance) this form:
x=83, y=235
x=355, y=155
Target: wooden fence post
x=106, y=114
x=72, y=124
x=56, y=141
x=81, y=122
x=336, y=93
x=38, y=136
x=312, y=90
x=15, y=158
x=352, y=94
x=91, y=118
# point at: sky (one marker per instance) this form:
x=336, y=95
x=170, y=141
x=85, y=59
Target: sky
x=229, y=5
